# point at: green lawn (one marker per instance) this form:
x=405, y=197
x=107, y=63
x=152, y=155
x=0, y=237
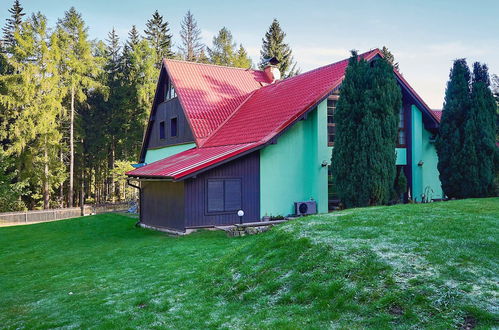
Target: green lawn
x=433, y=265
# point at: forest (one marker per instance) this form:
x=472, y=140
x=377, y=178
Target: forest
x=73, y=110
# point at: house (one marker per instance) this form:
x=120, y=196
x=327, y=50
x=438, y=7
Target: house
x=222, y=139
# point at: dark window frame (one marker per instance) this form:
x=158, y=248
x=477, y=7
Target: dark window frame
x=174, y=120
x=401, y=129
x=162, y=130
x=331, y=124
x=224, y=179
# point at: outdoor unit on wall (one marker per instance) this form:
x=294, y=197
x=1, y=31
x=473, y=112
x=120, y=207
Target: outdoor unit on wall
x=305, y=208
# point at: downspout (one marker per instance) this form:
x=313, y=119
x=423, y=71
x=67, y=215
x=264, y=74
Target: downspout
x=140, y=200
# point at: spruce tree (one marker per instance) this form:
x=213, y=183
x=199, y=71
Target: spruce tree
x=222, y=51
x=34, y=135
x=190, y=35
x=273, y=45
x=157, y=33
x=241, y=58
x=79, y=69
x=450, y=139
x=12, y=26
x=363, y=157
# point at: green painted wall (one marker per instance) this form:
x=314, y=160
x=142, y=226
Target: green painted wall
x=153, y=155
x=291, y=170
x=425, y=176
x=401, y=156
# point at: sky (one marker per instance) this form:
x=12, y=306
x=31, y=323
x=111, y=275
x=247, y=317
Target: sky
x=425, y=36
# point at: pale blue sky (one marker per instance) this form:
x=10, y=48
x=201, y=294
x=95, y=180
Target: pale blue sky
x=425, y=36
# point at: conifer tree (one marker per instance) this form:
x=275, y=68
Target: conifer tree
x=190, y=35
x=157, y=33
x=273, y=45
x=241, y=58
x=389, y=57
x=34, y=134
x=80, y=69
x=202, y=57
x=363, y=158
x=12, y=26
x=222, y=51
x=450, y=139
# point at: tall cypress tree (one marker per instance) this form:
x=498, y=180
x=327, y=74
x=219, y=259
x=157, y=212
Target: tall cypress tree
x=273, y=45
x=12, y=26
x=363, y=158
x=450, y=140
x=157, y=33
x=387, y=54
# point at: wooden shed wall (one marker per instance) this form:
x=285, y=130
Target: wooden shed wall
x=246, y=168
x=162, y=204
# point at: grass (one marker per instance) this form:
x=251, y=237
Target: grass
x=406, y=266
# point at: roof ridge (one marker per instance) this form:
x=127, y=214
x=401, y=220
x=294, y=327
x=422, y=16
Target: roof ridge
x=212, y=65
x=229, y=117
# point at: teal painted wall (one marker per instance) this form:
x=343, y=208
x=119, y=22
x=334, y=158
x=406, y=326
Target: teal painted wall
x=423, y=150
x=430, y=170
x=401, y=156
x=153, y=155
x=291, y=170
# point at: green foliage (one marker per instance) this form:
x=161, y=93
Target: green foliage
x=468, y=159
x=190, y=35
x=403, y=266
x=363, y=158
x=273, y=45
x=157, y=33
x=241, y=58
x=389, y=57
x=222, y=52
x=10, y=190
x=13, y=25
x=400, y=184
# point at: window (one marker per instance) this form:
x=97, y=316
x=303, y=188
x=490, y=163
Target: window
x=162, y=130
x=170, y=91
x=331, y=125
x=173, y=127
x=223, y=195
x=401, y=129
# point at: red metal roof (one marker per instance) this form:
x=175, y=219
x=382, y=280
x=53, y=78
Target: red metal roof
x=437, y=114
x=231, y=113
x=210, y=93
x=189, y=161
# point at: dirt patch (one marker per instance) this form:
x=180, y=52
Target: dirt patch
x=469, y=323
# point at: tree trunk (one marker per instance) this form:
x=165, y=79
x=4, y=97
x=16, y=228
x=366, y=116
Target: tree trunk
x=112, y=189
x=82, y=200
x=71, y=148
x=46, y=190
x=61, y=187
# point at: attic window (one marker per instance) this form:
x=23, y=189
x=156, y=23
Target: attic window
x=170, y=92
x=173, y=127
x=162, y=134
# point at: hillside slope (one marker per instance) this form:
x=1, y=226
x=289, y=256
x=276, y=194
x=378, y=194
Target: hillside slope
x=432, y=265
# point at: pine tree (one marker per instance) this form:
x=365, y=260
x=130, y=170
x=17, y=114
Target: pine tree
x=222, y=52
x=157, y=33
x=241, y=58
x=273, y=45
x=363, y=158
x=451, y=138
x=203, y=58
x=133, y=37
x=191, y=38
x=12, y=26
x=79, y=69
x=34, y=135
x=389, y=57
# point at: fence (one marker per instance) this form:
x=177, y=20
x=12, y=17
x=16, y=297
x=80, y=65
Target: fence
x=58, y=214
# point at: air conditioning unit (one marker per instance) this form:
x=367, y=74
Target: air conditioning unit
x=305, y=208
